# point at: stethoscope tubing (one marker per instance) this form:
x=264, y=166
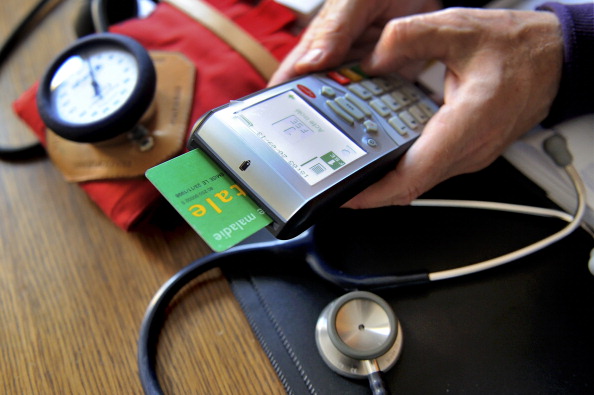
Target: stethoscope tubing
x=304, y=245
x=154, y=317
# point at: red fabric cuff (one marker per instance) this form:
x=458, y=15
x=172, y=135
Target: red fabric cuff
x=221, y=75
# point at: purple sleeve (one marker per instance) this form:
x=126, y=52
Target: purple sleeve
x=576, y=92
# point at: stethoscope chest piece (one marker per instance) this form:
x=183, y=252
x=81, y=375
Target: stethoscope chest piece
x=359, y=334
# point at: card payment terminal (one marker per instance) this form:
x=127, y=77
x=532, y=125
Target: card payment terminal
x=310, y=144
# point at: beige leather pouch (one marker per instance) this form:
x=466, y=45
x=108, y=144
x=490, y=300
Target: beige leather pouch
x=120, y=157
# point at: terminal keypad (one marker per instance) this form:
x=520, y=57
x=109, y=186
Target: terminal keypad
x=403, y=106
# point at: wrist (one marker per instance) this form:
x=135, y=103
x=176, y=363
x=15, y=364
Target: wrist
x=576, y=91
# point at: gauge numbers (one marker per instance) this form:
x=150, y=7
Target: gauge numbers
x=94, y=84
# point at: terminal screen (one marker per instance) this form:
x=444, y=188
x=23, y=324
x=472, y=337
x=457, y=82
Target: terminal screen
x=299, y=134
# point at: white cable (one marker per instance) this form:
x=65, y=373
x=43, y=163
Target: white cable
x=574, y=222
x=497, y=206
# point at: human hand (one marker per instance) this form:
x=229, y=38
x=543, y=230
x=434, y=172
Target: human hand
x=503, y=72
x=344, y=30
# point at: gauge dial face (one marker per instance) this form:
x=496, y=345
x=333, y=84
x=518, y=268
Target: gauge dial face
x=93, y=84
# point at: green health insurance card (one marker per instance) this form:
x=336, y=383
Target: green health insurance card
x=208, y=199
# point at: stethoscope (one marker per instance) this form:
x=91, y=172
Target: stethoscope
x=358, y=335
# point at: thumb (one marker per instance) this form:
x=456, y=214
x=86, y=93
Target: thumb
x=328, y=39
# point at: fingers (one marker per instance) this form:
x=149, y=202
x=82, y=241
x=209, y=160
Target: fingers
x=344, y=30
x=503, y=70
x=327, y=40
x=464, y=136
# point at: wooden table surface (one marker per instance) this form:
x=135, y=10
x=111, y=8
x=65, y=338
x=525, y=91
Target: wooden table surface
x=74, y=287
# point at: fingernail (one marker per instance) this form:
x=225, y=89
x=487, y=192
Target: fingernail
x=312, y=56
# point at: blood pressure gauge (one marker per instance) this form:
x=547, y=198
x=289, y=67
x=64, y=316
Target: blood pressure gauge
x=97, y=89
